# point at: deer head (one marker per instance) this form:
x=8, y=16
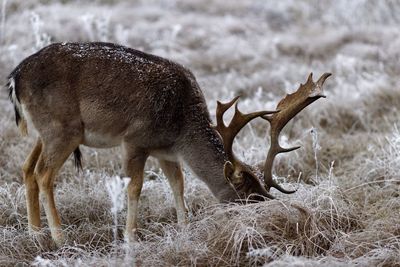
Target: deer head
x=245, y=179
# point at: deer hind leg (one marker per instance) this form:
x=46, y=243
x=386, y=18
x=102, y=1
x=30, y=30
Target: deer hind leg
x=174, y=173
x=134, y=167
x=32, y=189
x=53, y=156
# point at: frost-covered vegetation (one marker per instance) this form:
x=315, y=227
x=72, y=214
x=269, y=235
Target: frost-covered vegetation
x=347, y=209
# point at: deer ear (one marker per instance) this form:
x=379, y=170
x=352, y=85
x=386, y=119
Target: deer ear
x=229, y=171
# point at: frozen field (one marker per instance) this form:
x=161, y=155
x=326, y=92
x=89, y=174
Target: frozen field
x=347, y=208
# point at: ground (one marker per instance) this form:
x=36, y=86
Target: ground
x=347, y=208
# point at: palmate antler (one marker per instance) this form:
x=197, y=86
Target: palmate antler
x=239, y=120
x=288, y=108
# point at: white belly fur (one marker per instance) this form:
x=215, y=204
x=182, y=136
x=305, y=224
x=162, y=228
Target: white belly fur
x=165, y=154
x=100, y=140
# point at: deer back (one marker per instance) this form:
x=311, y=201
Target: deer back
x=113, y=91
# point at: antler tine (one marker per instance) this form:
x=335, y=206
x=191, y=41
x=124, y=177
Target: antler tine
x=288, y=108
x=219, y=113
x=238, y=121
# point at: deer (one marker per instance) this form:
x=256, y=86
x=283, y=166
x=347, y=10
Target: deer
x=103, y=95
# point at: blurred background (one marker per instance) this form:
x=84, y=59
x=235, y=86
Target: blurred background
x=350, y=154
x=260, y=49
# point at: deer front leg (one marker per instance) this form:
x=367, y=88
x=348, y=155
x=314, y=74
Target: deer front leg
x=173, y=171
x=32, y=189
x=134, y=168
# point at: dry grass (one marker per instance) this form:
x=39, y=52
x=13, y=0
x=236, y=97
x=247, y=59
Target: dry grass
x=347, y=213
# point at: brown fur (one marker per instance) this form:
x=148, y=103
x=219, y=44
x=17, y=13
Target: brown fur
x=104, y=95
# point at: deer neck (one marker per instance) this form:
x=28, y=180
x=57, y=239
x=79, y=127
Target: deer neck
x=204, y=154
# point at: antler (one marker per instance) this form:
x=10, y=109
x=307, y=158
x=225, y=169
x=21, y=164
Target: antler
x=238, y=121
x=288, y=108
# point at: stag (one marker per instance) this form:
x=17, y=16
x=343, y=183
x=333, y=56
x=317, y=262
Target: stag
x=104, y=95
